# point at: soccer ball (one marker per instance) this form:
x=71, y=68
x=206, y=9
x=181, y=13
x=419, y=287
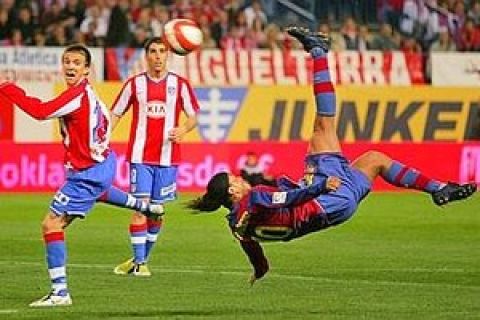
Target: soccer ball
x=183, y=36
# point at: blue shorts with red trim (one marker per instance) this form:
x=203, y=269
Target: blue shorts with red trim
x=341, y=204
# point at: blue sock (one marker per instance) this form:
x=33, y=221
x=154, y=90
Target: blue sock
x=402, y=176
x=56, y=259
x=138, y=238
x=117, y=197
x=323, y=89
x=153, y=229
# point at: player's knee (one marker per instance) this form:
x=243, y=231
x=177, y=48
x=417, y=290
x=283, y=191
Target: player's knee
x=51, y=223
x=138, y=218
x=377, y=158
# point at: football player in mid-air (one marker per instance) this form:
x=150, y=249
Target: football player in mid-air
x=90, y=163
x=331, y=189
x=157, y=98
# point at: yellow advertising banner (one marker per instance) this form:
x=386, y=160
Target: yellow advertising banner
x=286, y=113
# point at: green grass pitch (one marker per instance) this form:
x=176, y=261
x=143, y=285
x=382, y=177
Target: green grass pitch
x=399, y=257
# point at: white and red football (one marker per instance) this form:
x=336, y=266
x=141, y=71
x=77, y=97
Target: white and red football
x=182, y=35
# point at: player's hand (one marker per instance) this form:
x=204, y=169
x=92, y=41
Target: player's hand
x=258, y=274
x=252, y=279
x=333, y=183
x=176, y=134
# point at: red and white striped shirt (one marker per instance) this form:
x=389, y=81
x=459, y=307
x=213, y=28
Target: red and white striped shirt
x=84, y=121
x=156, y=110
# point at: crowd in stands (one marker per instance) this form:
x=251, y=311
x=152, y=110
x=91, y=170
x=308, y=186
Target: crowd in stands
x=408, y=25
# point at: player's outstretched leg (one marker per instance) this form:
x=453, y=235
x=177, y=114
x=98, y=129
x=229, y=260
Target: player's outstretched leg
x=118, y=198
x=442, y=193
x=374, y=163
x=324, y=136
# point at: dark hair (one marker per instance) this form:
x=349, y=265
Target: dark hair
x=82, y=49
x=158, y=40
x=216, y=196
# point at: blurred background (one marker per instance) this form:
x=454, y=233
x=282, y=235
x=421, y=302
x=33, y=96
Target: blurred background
x=407, y=75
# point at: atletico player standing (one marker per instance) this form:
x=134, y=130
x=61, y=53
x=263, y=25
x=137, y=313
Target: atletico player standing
x=157, y=97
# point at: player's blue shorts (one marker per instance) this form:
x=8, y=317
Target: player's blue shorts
x=158, y=183
x=82, y=188
x=341, y=204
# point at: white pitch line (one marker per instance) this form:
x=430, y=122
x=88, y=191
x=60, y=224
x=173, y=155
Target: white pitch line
x=209, y=270
x=7, y=311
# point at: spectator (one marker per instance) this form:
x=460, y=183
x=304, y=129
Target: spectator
x=273, y=37
x=160, y=16
x=144, y=21
x=51, y=16
x=384, y=39
x=26, y=25
x=220, y=28
x=469, y=38
x=94, y=27
x=253, y=11
x=140, y=36
x=364, y=38
x=5, y=26
x=180, y=9
x=241, y=22
x=253, y=173
x=39, y=38
x=474, y=13
x=208, y=42
x=257, y=32
x=58, y=38
x=118, y=32
x=350, y=34
x=232, y=7
x=73, y=15
x=16, y=40
x=135, y=10
x=397, y=39
x=390, y=11
x=201, y=9
x=338, y=42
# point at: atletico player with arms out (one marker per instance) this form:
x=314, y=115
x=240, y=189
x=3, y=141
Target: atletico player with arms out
x=331, y=189
x=157, y=98
x=91, y=165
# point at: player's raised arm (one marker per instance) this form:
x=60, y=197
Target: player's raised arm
x=65, y=103
x=293, y=197
x=257, y=258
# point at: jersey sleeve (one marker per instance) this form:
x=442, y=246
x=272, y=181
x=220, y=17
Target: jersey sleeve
x=286, y=198
x=255, y=255
x=285, y=183
x=67, y=102
x=190, y=103
x=124, y=99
